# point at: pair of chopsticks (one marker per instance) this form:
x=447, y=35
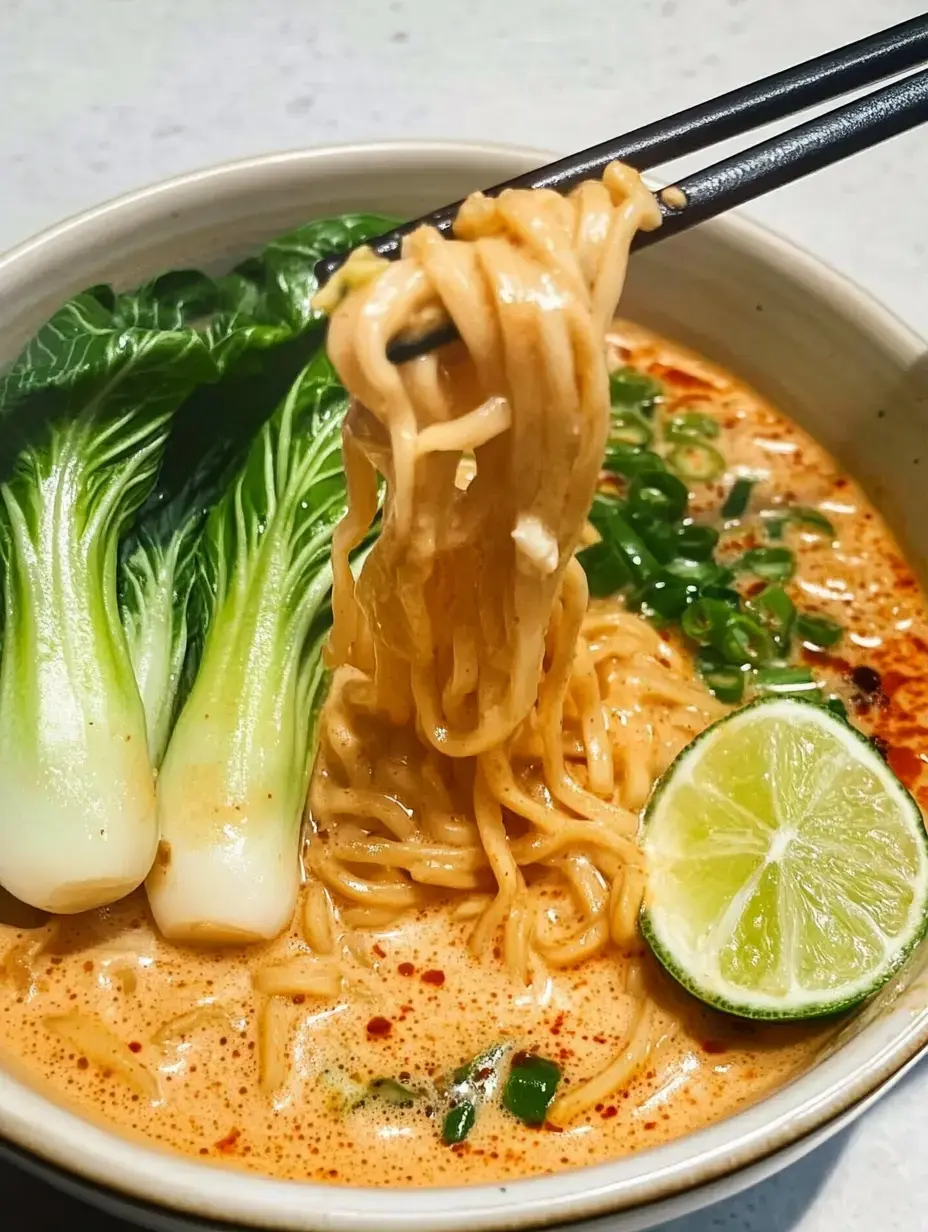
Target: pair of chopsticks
x=731, y=182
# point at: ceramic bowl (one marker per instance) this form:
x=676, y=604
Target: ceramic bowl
x=809, y=340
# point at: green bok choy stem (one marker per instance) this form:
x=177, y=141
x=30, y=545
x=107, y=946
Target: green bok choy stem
x=87, y=408
x=234, y=779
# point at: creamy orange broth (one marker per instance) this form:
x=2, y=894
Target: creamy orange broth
x=418, y=1004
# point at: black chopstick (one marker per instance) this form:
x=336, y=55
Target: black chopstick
x=732, y=114
x=820, y=142
x=733, y=181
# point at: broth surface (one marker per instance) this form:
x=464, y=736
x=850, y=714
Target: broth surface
x=418, y=1004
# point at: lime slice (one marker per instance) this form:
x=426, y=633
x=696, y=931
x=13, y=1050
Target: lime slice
x=787, y=865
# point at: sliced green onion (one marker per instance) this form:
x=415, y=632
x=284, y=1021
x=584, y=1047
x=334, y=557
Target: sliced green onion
x=704, y=619
x=725, y=681
x=795, y=681
x=776, y=612
x=812, y=519
x=659, y=495
x=393, y=1092
x=659, y=536
x=697, y=573
x=743, y=642
x=696, y=462
x=738, y=498
x=691, y=426
x=602, y=508
x=530, y=1087
x=776, y=520
x=458, y=1122
x=605, y=569
x=818, y=630
x=629, y=388
x=664, y=599
x=772, y=564
x=629, y=427
x=717, y=590
x=695, y=541
x=629, y=461
x=638, y=558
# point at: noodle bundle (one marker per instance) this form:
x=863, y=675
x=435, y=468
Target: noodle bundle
x=487, y=731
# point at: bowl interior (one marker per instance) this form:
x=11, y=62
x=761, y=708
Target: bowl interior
x=803, y=336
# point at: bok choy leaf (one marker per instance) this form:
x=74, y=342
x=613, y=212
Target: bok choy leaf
x=234, y=779
x=85, y=411
x=260, y=332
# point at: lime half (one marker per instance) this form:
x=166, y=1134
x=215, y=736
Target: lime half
x=787, y=865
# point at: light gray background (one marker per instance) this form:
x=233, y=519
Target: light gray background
x=100, y=96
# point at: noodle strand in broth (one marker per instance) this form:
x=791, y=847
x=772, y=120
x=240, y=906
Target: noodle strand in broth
x=482, y=734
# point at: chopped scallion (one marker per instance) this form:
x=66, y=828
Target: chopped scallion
x=691, y=426
x=743, y=642
x=738, y=498
x=704, y=620
x=530, y=1087
x=818, y=630
x=776, y=612
x=659, y=495
x=618, y=533
x=725, y=681
x=458, y=1122
x=772, y=564
x=629, y=460
x=629, y=427
x=393, y=1092
x=605, y=569
x=695, y=541
x=696, y=462
x=630, y=388
x=812, y=519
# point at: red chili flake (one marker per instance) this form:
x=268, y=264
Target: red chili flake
x=599, y=1039
x=715, y=1047
x=556, y=1026
x=650, y=1124
x=228, y=1143
x=379, y=1026
x=677, y=376
x=406, y=969
x=135, y=1046
x=82, y=1062
x=610, y=1112
x=381, y=953
x=88, y=966
x=298, y=998
x=552, y=1128
x=433, y=977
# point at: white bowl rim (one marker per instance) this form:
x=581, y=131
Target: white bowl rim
x=150, y=1175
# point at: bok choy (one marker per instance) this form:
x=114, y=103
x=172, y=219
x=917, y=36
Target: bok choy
x=234, y=779
x=86, y=411
x=259, y=327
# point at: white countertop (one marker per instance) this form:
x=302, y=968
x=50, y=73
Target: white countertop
x=100, y=96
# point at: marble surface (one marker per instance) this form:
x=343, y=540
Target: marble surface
x=101, y=96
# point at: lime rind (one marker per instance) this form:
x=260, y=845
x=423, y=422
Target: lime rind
x=787, y=865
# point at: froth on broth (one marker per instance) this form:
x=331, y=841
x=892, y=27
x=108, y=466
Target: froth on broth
x=264, y=1058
